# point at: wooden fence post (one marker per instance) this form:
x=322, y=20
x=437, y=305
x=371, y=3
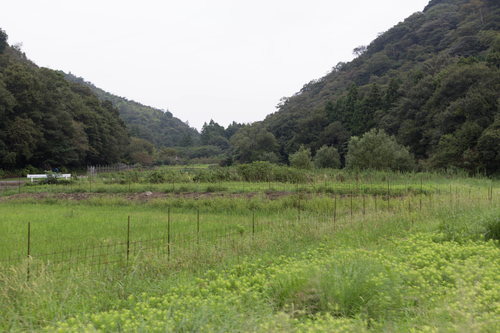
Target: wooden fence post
x=168, y=235
x=128, y=238
x=388, y=193
x=299, y=209
x=29, y=254
x=335, y=212
x=253, y=223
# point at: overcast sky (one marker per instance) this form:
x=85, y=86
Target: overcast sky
x=225, y=60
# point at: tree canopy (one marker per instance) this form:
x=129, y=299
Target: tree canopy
x=46, y=121
x=432, y=81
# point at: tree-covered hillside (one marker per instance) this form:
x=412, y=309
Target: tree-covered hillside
x=157, y=126
x=48, y=122
x=433, y=81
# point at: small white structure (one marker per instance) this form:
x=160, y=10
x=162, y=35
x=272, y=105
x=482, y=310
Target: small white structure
x=57, y=175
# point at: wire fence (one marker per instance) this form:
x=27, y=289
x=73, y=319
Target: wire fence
x=343, y=210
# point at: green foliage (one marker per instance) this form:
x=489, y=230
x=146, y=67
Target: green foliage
x=160, y=177
x=347, y=264
x=3, y=41
x=473, y=225
x=47, y=121
x=378, y=151
x=460, y=148
x=213, y=175
x=327, y=157
x=311, y=132
x=140, y=151
x=203, y=151
x=301, y=159
x=159, y=127
x=492, y=228
x=265, y=171
x=186, y=140
x=342, y=288
x=252, y=141
x=421, y=81
x=489, y=147
x=493, y=57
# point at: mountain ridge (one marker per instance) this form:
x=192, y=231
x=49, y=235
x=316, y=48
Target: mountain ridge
x=454, y=42
x=157, y=126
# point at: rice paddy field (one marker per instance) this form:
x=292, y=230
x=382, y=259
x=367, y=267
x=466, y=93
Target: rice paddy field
x=178, y=252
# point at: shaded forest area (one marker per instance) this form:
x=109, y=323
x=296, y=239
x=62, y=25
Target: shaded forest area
x=428, y=87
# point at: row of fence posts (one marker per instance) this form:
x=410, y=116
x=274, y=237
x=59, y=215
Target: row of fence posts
x=489, y=197
x=107, y=168
x=128, y=237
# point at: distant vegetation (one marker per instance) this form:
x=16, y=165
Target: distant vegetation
x=430, y=84
x=159, y=127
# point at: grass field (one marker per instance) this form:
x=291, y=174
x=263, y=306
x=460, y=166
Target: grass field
x=366, y=252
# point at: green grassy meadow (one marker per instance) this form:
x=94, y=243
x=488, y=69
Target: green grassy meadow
x=351, y=253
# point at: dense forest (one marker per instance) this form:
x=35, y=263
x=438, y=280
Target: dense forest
x=432, y=81
x=48, y=122
x=49, y=119
x=427, y=90
x=158, y=127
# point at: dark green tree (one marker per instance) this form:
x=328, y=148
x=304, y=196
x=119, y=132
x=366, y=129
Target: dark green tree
x=3, y=40
x=489, y=148
x=352, y=114
x=186, y=140
x=211, y=131
x=301, y=159
x=327, y=157
x=391, y=94
x=251, y=142
x=370, y=105
x=493, y=57
x=311, y=129
x=378, y=151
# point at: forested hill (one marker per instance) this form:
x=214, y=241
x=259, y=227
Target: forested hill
x=432, y=80
x=159, y=127
x=47, y=122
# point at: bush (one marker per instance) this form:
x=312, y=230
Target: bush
x=257, y=171
x=379, y=151
x=492, y=228
x=266, y=171
x=301, y=159
x=213, y=175
x=51, y=179
x=327, y=157
x=160, y=177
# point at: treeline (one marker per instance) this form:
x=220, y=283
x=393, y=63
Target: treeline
x=423, y=95
x=48, y=122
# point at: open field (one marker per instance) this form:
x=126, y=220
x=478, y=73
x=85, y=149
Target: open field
x=364, y=252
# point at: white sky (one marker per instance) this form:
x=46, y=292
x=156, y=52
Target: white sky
x=219, y=59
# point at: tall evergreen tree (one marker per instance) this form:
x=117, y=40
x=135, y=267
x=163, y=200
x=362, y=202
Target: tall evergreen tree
x=371, y=104
x=3, y=41
x=352, y=114
x=391, y=94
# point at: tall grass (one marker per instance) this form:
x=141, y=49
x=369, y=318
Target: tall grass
x=316, y=259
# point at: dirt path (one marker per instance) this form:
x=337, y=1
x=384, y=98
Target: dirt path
x=11, y=183
x=143, y=196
